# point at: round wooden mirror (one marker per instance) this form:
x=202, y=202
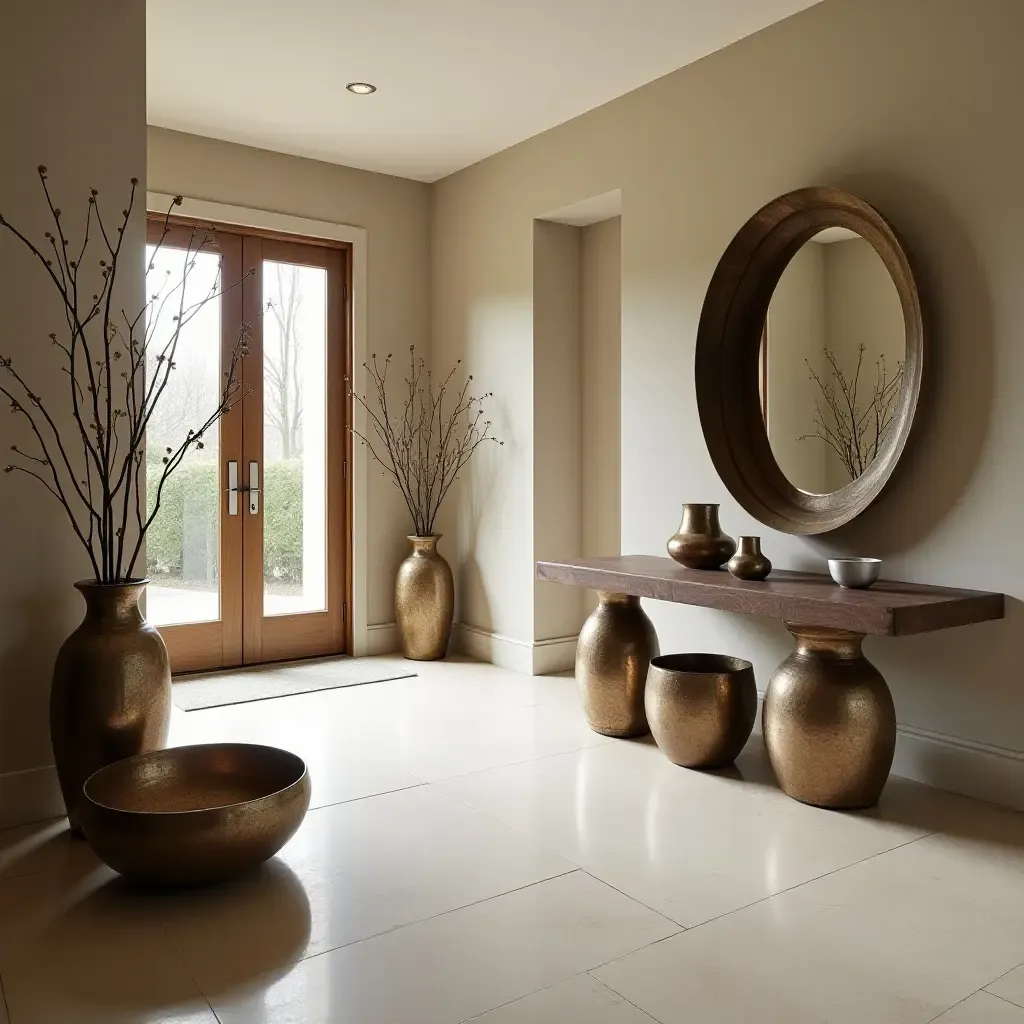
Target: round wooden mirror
x=810, y=355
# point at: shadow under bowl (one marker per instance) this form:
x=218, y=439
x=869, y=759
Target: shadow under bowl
x=854, y=573
x=196, y=814
x=701, y=707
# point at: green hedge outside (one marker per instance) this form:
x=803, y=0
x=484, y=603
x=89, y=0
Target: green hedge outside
x=191, y=499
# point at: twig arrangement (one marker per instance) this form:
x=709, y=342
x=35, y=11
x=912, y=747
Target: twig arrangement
x=426, y=444
x=854, y=433
x=105, y=357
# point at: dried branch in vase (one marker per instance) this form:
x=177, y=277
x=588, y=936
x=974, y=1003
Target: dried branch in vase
x=95, y=465
x=854, y=432
x=424, y=445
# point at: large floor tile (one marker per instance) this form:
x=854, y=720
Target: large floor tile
x=82, y=948
x=332, y=731
x=457, y=965
x=691, y=845
x=898, y=938
x=1010, y=986
x=352, y=871
x=580, y=1000
x=982, y=1008
x=42, y=846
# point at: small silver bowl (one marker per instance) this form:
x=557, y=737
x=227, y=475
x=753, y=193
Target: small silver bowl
x=854, y=573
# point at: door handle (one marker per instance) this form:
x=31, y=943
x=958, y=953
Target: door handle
x=253, y=489
x=232, y=488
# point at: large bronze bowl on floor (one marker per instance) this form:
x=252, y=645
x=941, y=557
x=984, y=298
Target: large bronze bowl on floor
x=192, y=815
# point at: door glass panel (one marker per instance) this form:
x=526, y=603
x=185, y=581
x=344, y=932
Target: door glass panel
x=294, y=438
x=183, y=542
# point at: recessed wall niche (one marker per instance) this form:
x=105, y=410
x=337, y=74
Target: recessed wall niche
x=577, y=309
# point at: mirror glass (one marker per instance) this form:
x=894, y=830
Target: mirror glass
x=832, y=358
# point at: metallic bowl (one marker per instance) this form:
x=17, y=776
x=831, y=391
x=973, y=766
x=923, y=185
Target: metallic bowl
x=701, y=707
x=855, y=573
x=198, y=814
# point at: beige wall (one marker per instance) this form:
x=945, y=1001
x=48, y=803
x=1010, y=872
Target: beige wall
x=64, y=69
x=558, y=420
x=601, y=337
x=396, y=215
x=896, y=100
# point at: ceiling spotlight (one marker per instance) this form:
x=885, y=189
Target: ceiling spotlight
x=361, y=88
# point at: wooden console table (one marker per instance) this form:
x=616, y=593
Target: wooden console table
x=829, y=721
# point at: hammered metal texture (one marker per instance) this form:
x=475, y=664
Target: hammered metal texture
x=701, y=707
x=424, y=601
x=700, y=542
x=829, y=722
x=111, y=692
x=614, y=653
x=198, y=814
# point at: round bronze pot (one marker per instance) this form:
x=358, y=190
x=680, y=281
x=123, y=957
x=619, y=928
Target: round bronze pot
x=111, y=692
x=700, y=542
x=196, y=814
x=615, y=648
x=701, y=707
x=748, y=563
x=424, y=601
x=828, y=721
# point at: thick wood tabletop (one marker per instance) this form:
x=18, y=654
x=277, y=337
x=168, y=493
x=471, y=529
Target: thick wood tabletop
x=811, y=599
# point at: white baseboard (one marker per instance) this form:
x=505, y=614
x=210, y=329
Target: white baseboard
x=382, y=638
x=531, y=658
x=963, y=766
x=32, y=795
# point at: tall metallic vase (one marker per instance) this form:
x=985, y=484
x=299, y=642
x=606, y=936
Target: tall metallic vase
x=424, y=601
x=613, y=655
x=111, y=693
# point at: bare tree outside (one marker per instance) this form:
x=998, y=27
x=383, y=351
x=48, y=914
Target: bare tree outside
x=282, y=386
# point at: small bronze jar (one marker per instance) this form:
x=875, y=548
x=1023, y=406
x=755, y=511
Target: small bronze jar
x=700, y=542
x=748, y=563
x=701, y=707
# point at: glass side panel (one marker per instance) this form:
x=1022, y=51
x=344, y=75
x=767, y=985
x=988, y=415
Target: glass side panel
x=183, y=543
x=294, y=438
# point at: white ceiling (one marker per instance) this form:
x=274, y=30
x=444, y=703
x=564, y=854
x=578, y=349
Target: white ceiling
x=457, y=80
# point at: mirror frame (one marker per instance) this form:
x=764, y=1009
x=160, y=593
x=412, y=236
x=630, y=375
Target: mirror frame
x=728, y=357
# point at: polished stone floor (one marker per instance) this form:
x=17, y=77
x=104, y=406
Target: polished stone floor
x=474, y=852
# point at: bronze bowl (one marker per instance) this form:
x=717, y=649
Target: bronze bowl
x=197, y=814
x=701, y=707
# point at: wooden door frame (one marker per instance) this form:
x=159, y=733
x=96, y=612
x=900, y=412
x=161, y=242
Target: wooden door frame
x=342, y=497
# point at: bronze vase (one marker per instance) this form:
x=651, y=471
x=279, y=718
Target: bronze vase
x=424, y=601
x=614, y=652
x=111, y=693
x=749, y=563
x=700, y=542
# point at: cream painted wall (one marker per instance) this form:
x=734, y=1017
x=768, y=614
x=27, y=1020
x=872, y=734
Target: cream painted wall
x=904, y=102
x=601, y=339
x=64, y=69
x=796, y=334
x=558, y=420
x=396, y=214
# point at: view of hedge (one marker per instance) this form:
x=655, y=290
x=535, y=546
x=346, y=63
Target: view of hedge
x=183, y=535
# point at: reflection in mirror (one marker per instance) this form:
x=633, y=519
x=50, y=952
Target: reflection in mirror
x=832, y=357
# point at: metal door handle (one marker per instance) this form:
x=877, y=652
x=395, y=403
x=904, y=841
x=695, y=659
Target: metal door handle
x=253, y=489
x=232, y=488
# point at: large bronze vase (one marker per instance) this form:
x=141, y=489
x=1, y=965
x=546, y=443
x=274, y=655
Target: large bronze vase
x=111, y=693
x=424, y=601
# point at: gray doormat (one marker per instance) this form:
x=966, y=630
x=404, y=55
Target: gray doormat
x=240, y=686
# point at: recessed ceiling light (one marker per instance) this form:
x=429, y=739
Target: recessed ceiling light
x=361, y=88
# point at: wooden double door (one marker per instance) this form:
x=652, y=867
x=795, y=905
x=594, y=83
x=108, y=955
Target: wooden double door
x=249, y=551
